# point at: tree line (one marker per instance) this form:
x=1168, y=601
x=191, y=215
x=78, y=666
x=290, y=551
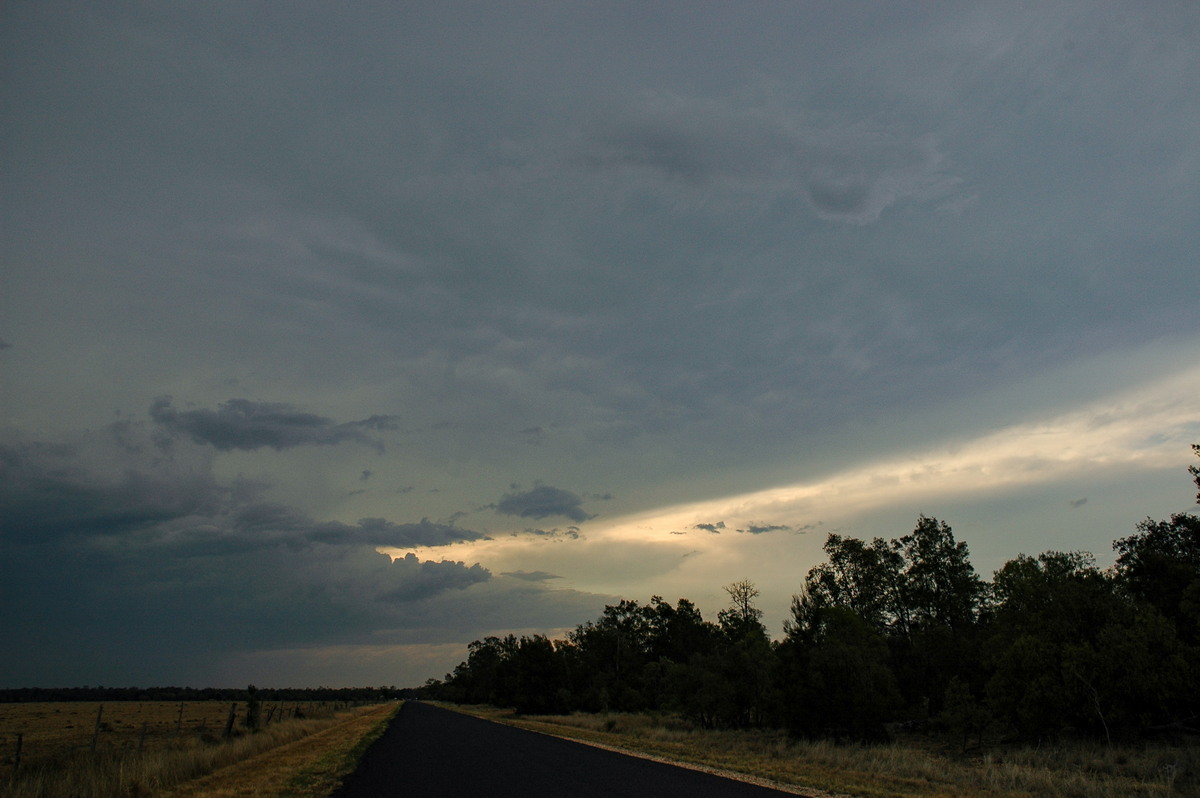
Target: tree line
x=190, y=694
x=888, y=632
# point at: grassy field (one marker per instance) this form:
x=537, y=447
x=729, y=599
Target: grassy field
x=62, y=727
x=909, y=768
x=147, y=748
x=311, y=767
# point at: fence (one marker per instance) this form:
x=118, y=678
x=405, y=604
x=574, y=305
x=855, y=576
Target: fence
x=51, y=730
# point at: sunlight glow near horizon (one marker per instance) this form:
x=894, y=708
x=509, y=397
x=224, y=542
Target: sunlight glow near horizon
x=1148, y=428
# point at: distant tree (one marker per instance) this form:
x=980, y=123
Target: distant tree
x=676, y=633
x=610, y=655
x=539, y=679
x=1068, y=650
x=863, y=577
x=746, y=658
x=699, y=690
x=836, y=679
x=1195, y=471
x=940, y=586
x=920, y=594
x=941, y=599
x=1161, y=565
x=678, y=637
x=480, y=679
x=741, y=611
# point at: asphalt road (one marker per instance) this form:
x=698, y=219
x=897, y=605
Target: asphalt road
x=429, y=751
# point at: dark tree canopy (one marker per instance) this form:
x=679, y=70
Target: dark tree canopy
x=1195, y=471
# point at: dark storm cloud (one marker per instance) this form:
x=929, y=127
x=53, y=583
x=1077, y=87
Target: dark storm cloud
x=531, y=576
x=845, y=171
x=49, y=491
x=381, y=532
x=532, y=435
x=117, y=484
x=543, y=501
x=165, y=575
x=713, y=528
x=848, y=198
x=420, y=580
x=108, y=523
x=571, y=532
x=246, y=425
x=661, y=149
x=755, y=529
x=730, y=305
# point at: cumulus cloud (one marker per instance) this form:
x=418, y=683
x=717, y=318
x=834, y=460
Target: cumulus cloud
x=246, y=425
x=421, y=579
x=543, y=501
x=713, y=528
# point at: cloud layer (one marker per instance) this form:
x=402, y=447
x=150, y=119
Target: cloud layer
x=505, y=287
x=246, y=425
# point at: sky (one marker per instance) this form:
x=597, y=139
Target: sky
x=336, y=336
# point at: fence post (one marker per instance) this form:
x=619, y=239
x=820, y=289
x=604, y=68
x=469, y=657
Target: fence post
x=17, y=753
x=179, y=721
x=229, y=723
x=142, y=739
x=96, y=731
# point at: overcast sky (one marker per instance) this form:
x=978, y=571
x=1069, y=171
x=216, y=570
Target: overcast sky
x=336, y=336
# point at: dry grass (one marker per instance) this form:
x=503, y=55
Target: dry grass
x=913, y=767
x=58, y=764
x=56, y=729
x=307, y=768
